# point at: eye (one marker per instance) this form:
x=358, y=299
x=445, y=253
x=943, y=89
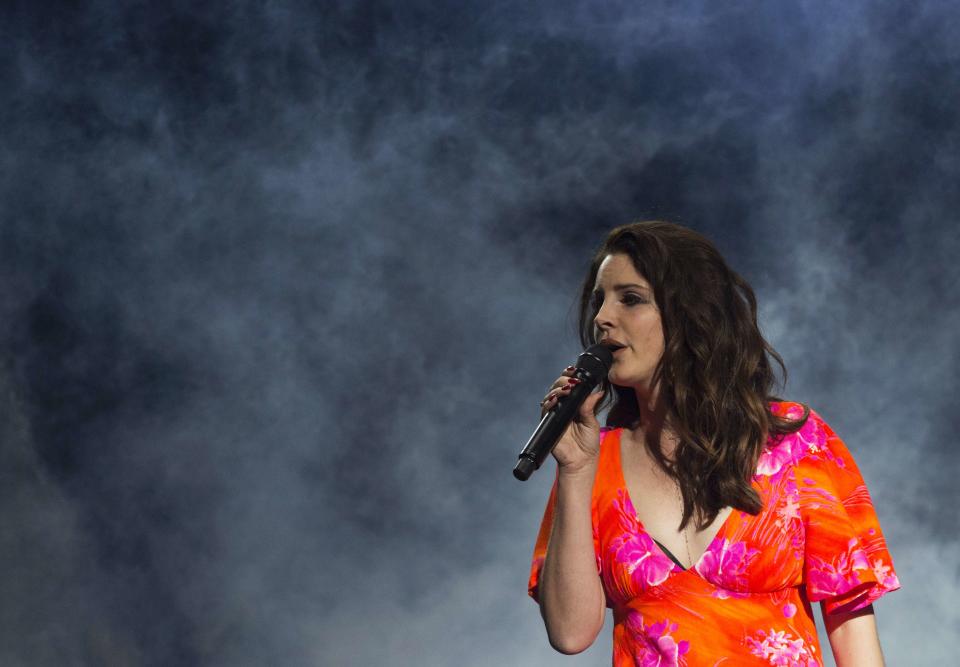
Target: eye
x=631, y=299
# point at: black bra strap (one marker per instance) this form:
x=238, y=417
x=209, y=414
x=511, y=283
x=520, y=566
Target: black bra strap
x=670, y=555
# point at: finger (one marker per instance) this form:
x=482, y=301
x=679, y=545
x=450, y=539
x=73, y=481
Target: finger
x=551, y=398
x=563, y=384
x=547, y=404
x=557, y=392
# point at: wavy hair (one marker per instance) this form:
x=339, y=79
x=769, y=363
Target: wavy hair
x=715, y=376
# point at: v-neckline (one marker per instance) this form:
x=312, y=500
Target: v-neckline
x=622, y=483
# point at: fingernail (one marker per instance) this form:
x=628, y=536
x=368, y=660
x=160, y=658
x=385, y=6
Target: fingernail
x=573, y=381
x=570, y=368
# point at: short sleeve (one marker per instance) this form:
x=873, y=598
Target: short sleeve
x=543, y=537
x=846, y=562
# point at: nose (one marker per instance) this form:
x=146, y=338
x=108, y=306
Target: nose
x=601, y=321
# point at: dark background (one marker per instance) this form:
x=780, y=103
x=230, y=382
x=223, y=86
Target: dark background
x=283, y=282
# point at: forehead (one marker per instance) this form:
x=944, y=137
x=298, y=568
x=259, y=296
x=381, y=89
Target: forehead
x=618, y=269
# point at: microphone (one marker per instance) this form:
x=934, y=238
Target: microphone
x=592, y=365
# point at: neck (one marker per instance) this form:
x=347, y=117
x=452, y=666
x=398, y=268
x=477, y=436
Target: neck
x=654, y=424
x=653, y=411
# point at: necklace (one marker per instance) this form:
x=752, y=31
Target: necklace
x=686, y=542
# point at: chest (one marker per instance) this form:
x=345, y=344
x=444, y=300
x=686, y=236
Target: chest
x=736, y=556
x=659, y=507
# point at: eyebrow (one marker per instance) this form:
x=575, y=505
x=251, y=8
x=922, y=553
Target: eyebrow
x=620, y=287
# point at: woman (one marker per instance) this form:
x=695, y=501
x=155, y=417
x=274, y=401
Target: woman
x=707, y=513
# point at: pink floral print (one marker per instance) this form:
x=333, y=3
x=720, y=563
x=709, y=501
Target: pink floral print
x=839, y=575
x=747, y=600
x=791, y=449
x=656, y=647
x=724, y=564
x=777, y=647
x=634, y=549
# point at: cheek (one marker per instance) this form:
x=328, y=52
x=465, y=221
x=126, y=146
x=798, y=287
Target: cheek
x=653, y=336
x=656, y=340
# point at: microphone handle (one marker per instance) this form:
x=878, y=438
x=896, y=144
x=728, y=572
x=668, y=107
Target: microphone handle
x=553, y=425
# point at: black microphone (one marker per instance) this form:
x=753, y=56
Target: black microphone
x=593, y=364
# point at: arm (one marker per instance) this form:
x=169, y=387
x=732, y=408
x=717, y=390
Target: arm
x=572, y=601
x=853, y=638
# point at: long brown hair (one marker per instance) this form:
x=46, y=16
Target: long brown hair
x=715, y=375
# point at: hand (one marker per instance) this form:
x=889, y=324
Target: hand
x=579, y=446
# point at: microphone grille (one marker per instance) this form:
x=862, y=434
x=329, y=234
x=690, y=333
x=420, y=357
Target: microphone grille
x=596, y=360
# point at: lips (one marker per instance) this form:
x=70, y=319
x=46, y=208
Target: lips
x=614, y=345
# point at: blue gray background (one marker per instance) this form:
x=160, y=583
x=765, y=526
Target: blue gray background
x=282, y=283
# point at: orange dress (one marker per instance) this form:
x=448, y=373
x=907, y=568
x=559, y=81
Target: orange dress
x=747, y=599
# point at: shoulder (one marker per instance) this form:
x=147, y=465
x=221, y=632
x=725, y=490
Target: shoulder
x=609, y=459
x=788, y=409
x=809, y=442
x=813, y=422
x=608, y=435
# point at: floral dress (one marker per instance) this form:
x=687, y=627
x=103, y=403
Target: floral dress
x=747, y=599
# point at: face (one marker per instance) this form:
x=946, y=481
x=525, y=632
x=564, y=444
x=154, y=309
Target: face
x=629, y=315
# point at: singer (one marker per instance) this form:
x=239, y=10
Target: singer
x=707, y=513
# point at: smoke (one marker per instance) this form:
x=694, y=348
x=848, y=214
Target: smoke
x=282, y=285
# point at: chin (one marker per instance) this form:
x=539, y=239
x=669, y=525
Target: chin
x=627, y=382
